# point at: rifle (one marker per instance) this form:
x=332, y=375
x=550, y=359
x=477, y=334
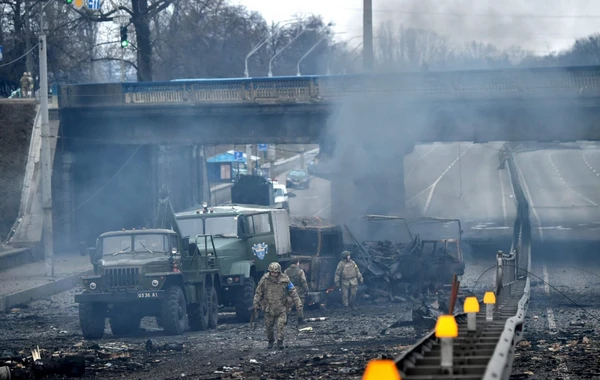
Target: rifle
x=253, y=317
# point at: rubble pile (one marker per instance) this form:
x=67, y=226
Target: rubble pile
x=395, y=269
x=73, y=361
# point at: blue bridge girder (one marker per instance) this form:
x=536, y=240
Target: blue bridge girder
x=552, y=104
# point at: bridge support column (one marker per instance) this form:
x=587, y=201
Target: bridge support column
x=376, y=191
x=68, y=159
x=175, y=166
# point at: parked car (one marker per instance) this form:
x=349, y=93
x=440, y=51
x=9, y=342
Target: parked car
x=298, y=178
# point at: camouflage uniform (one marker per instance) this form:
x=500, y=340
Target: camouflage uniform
x=347, y=277
x=275, y=294
x=297, y=277
x=25, y=85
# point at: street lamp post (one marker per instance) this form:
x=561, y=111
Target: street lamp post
x=46, y=158
x=310, y=51
x=283, y=48
x=306, y=55
x=260, y=44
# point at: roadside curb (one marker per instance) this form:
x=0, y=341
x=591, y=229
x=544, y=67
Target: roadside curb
x=37, y=292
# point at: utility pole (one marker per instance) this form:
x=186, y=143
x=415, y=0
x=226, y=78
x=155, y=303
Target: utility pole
x=46, y=158
x=368, y=35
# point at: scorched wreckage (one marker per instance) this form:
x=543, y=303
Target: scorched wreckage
x=194, y=263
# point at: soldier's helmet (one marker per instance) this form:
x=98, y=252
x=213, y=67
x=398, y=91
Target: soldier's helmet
x=275, y=267
x=345, y=254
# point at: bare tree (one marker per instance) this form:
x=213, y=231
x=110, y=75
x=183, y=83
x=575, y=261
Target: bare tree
x=141, y=12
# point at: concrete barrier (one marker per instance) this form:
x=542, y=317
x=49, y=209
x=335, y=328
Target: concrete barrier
x=221, y=194
x=37, y=292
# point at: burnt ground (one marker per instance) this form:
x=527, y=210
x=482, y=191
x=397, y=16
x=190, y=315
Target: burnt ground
x=337, y=348
x=16, y=124
x=562, y=331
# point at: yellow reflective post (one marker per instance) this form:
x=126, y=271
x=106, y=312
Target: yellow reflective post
x=471, y=307
x=489, y=299
x=446, y=329
x=381, y=370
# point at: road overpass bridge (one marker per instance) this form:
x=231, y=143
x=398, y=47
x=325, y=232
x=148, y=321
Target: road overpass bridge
x=547, y=104
x=367, y=121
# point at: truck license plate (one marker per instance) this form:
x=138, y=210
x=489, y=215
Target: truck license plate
x=147, y=295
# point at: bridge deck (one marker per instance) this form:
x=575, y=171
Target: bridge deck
x=472, y=350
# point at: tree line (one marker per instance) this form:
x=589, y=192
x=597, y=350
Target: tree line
x=172, y=39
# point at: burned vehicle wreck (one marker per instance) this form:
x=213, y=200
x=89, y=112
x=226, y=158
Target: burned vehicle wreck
x=397, y=256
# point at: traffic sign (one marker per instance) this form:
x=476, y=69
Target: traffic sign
x=238, y=156
x=1, y=52
x=78, y=4
x=263, y=147
x=94, y=4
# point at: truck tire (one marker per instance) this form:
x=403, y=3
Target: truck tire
x=245, y=300
x=174, y=311
x=198, y=317
x=91, y=319
x=213, y=308
x=124, y=323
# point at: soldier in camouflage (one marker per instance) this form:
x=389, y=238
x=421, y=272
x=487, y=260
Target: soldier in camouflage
x=298, y=277
x=347, y=277
x=275, y=293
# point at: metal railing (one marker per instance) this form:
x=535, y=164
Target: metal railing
x=488, y=353
x=534, y=82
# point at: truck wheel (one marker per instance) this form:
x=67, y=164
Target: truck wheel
x=91, y=319
x=198, y=316
x=243, y=306
x=173, y=311
x=124, y=323
x=213, y=308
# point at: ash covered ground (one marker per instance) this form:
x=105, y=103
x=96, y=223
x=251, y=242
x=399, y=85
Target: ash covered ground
x=562, y=331
x=337, y=348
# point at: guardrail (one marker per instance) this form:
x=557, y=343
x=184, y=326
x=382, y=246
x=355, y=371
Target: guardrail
x=489, y=353
x=518, y=266
x=548, y=82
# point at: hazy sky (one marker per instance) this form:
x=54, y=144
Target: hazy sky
x=537, y=25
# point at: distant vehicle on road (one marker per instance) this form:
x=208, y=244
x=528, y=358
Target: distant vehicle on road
x=298, y=178
x=281, y=196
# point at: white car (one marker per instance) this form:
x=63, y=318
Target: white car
x=281, y=196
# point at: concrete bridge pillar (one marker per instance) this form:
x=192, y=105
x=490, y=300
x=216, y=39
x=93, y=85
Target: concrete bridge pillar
x=181, y=168
x=68, y=159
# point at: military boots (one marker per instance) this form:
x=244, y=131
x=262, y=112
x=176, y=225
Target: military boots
x=280, y=344
x=270, y=344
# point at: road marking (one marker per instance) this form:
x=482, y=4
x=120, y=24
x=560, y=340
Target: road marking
x=589, y=165
x=434, y=147
x=565, y=182
x=323, y=209
x=434, y=184
x=439, y=178
x=502, y=195
x=549, y=312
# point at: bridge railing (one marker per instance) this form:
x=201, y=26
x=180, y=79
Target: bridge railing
x=540, y=82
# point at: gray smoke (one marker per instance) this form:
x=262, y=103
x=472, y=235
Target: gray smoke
x=535, y=25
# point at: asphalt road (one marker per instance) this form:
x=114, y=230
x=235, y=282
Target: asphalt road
x=314, y=201
x=453, y=180
x=562, y=188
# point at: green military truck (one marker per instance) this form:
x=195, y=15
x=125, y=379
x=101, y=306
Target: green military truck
x=245, y=240
x=181, y=270
x=148, y=272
